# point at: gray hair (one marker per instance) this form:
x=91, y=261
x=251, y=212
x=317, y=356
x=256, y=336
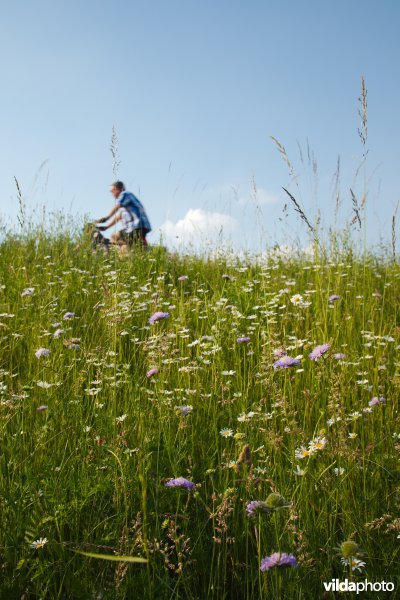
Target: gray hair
x=118, y=185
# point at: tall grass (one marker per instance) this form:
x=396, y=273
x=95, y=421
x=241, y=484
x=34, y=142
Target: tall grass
x=88, y=441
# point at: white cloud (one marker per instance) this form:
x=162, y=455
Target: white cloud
x=198, y=227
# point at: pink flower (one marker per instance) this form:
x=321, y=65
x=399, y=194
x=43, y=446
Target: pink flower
x=151, y=372
x=319, y=351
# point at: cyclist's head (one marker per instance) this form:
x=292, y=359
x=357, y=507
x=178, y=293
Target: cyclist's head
x=116, y=188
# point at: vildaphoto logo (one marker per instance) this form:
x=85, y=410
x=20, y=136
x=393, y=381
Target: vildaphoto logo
x=358, y=586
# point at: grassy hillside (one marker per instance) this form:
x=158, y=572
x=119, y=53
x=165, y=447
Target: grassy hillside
x=193, y=441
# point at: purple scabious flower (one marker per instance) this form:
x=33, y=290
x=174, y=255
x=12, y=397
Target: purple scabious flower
x=184, y=410
x=319, y=351
x=243, y=340
x=256, y=506
x=151, y=372
x=42, y=407
x=339, y=356
x=42, y=352
x=333, y=298
x=157, y=316
x=68, y=316
x=181, y=482
x=183, y=278
x=375, y=401
x=278, y=559
x=285, y=362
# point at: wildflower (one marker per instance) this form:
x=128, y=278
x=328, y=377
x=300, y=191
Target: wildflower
x=226, y=432
x=184, y=410
x=285, y=362
x=317, y=444
x=356, y=563
x=228, y=372
x=121, y=419
x=151, y=372
x=333, y=298
x=181, y=482
x=92, y=391
x=375, y=401
x=42, y=352
x=239, y=435
x=352, y=436
x=39, y=544
x=302, y=452
x=339, y=471
x=278, y=559
x=158, y=316
x=256, y=506
x=242, y=418
x=58, y=332
x=339, y=356
x=183, y=278
x=354, y=416
x=69, y=316
x=42, y=407
x=299, y=472
x=319, y=351
x=242, y=340
x=296, y=299
x=349, y=549
x=44, y=385
x=27, y=292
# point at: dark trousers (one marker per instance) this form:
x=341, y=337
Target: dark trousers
x=137, y=236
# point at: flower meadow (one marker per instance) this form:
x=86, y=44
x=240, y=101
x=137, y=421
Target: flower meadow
x=174, y=426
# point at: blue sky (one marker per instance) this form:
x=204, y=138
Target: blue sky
x=195, y=90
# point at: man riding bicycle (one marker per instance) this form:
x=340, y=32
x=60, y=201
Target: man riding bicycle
x=130, y=211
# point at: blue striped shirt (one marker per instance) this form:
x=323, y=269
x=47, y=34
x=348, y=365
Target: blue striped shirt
x=133, y=214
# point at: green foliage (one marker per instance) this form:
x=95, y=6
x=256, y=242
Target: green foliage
x=84, y=478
